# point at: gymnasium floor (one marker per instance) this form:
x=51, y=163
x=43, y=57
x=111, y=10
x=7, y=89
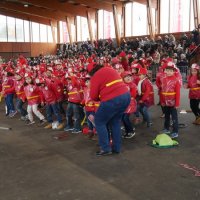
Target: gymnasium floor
x=35, y=166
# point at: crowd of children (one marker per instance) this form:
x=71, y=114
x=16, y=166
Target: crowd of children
x=67, y=80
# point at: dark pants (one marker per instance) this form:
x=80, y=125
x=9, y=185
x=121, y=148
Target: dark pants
x=9, y=103
x=19, y=107
x=53, y=109
x=171, y=111
x=89, y=123
x=110, y=114
x=194, y=105
x=73, y=112
x=127, y=123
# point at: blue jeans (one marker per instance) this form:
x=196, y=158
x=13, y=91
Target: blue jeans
x=9, y=103
x=145, y=113
x=127, y=123
x=73, y=112
x=109, y=114
x=173, y=112
x=53, y=109
x=89, y=123
x=19, y=107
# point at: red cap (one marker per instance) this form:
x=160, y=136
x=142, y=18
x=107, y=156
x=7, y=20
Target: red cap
x=90, y=66
x=195, y=66
x=126, y=73
x=136, y=65
x=122, y=54
x=39, y=80
x=142, y=71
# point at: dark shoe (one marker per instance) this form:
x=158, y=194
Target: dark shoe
x=103, y=153
x=129, y=135
x=115, y=152
x=149, y=124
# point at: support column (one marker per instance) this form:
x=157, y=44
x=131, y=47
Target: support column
x=58, y=32
x=157, y=26
x=69, y=30
x=90, y=26
x=196, y=13
x=53, y=33
x=150, y=20
x=116, y=23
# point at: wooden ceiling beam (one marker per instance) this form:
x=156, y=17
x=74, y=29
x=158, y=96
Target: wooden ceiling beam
x=67, y=8
x=31, y=10
x=24, y=16
x=96, y=4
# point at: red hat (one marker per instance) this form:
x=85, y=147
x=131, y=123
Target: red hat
x=10, y=70
x=195, y=66
x=136, y=65
x=20, y=73
x=122, y=54
x=115, y=60
x=28, y=75
x=126, y=73
x=118, y=66
x=170, y=65
x=90, y=67
x=39, y=80
x=142, y=71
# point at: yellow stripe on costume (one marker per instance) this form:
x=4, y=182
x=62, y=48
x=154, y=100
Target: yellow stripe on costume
x=32, y=97
x=197, y=88
x=113, y=82
x=168, y=93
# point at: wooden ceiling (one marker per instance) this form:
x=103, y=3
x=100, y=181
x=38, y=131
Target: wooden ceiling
x=59, y=9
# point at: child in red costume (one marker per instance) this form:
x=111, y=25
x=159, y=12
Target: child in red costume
x=129, y=129
x=170, y=98
x=194, y=93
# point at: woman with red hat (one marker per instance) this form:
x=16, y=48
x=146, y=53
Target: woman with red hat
x=194, y=92
x=108, y=88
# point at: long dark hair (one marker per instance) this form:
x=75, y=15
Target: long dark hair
x=95, y=69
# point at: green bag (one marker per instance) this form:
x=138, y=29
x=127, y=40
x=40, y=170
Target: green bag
x=164, y=141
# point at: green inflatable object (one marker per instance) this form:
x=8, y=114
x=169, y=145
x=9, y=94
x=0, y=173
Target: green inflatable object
x=164, y=141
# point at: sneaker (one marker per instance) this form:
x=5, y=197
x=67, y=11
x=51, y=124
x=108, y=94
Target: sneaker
x=174, y=135
x=76, y=131
x=43, y=121
x=166, y=131
x=23, y=118
x=129, y=135
x=60, y=126
x=103, y=153
x=12, y=114
x=30, y=122
x=68, y=129
x=149, y=124
x=48, y=126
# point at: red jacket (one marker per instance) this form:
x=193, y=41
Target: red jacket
x=194, y=92
x=133, y=104
x=75, y=94
x=106, y=84
x=8, y=85
x=19, y=89
x=33, y=94
x=147, y=93
x=49, y=94
x=136, y=79
x=58, y=87
x=90, y=105
x=170, y=91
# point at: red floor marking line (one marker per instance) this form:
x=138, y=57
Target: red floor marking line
x=194, y=169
